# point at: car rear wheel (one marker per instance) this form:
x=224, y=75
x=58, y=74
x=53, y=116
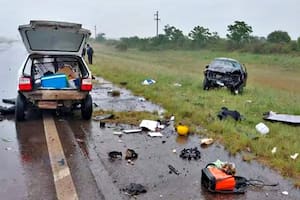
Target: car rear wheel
x=87, y=108
x=20, y=108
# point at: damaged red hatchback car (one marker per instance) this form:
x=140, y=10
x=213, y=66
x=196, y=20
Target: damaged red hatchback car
x=225, y=72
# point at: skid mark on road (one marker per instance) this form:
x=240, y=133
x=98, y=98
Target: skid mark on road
x=64, y=184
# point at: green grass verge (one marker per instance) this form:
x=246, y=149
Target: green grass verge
x=273, y=84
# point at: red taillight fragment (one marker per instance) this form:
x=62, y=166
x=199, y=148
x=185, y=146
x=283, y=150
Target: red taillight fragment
x=25, y=84
x=86, y=84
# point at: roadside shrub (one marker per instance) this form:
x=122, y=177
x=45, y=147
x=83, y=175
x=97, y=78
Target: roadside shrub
x=121, y=46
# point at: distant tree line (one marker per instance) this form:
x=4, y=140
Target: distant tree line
x=238, y=38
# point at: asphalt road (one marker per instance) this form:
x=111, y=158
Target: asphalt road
x=26, y=170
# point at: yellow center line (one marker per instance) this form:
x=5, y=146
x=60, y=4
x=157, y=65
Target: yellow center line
x=63, y=181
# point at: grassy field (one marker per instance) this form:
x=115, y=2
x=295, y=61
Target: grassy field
x=273, y=84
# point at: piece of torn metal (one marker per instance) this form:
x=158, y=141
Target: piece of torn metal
x=117, y=133
x=173, y=170
x=155, y=134
x=114, y=155
x=191, y=153
x=132, y=131
x=134, y=189
x=102, y=117
x=285, y=118
x=9, y=101
x=149, y=124
x=7, y=110
x=131, y=155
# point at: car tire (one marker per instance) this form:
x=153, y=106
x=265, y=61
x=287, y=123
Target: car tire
x=87, y=108
x=238, y=90
x=206, y=84
x=20, y=108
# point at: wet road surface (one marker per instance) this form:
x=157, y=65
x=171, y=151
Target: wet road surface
x=26, y=168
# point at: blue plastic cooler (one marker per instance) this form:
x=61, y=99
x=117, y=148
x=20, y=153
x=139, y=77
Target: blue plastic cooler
x=56, y=81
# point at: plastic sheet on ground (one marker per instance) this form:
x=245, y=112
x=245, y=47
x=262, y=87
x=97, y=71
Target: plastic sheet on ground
x=285, y=118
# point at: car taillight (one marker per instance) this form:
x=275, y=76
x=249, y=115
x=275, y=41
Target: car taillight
x=25, y=84
x=86, y=84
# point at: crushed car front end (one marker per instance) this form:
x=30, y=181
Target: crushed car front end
x=225, y=72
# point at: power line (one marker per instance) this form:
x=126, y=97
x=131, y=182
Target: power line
x=156, y=19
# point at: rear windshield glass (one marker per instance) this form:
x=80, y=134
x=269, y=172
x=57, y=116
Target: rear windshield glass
x=49, y=40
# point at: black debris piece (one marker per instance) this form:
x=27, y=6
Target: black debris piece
x=192, y=153
x=7, y=110
x=9, y=101
x=173, y=170
x=131, y=154
x=224, y=113
x=61, y=162
x=114, y=155
x=102, y=124
x=96, y=105
x=135, y=189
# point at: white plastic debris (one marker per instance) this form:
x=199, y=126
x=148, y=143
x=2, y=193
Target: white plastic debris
x=177, y=85
x=155, y=134
x=148, y=82
x=117, y=133
x=149, y=124
x=274, y=150
x=294, y=156
x=262, y=128
x=172, y=118
x=285, y=192
x=161, y=126
x=174, y=151
x=206, y=141
x=132, y=131
x=142, y=99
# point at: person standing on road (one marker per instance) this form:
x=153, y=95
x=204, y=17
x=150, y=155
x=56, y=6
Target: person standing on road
x=89, y=52
x=83, y=52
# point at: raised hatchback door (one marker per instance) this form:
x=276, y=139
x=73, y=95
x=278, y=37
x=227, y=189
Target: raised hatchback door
x=52, y=37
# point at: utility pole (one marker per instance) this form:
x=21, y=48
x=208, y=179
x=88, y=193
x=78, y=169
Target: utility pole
x=156, y=19
x=95, y=31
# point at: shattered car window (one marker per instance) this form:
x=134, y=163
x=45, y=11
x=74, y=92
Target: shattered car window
x=225, y=64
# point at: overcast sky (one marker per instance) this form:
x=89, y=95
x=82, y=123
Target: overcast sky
x=124, y=18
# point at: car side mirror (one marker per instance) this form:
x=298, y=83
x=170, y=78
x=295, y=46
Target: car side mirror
x=206, y=66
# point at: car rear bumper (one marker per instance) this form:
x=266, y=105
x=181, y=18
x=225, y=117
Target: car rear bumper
x=55, y=95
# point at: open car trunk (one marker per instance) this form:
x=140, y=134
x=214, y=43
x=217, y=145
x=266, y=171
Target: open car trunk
x=55, y=78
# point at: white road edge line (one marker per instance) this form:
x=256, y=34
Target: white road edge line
x=64, y=185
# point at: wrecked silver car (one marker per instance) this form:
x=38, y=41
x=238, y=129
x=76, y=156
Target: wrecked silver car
x=54, y=75
x=225, y=72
